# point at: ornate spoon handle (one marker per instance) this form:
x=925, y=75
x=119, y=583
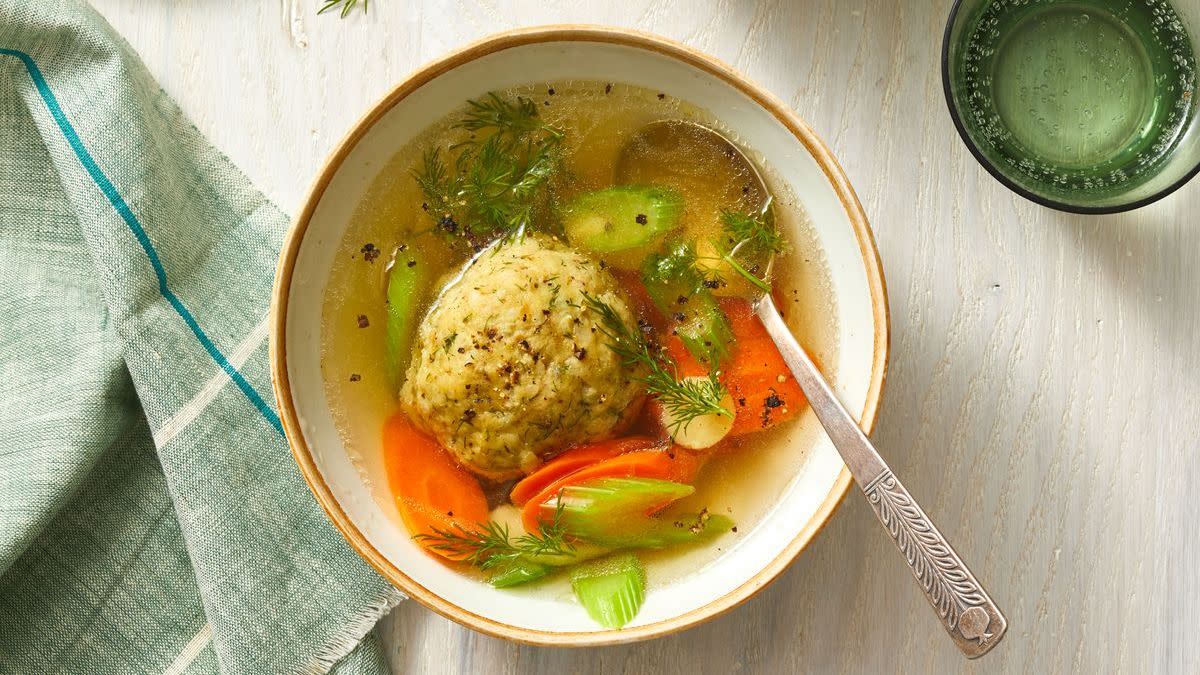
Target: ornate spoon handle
x=967, y=612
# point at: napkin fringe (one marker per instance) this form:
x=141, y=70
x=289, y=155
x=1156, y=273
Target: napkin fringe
x=351, y=633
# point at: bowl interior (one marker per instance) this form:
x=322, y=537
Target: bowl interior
x=348, y=486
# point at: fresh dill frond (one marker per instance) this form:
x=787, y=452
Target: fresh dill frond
x=684, y=399
x=491, y=545
x=493, y=112
x=757, y=231
x=346, y=6
x=499, y=172
x=750, y=237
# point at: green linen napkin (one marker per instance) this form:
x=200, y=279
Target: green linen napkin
x=151, y=516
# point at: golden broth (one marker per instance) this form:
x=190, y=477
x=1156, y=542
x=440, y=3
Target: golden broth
x=597, y=119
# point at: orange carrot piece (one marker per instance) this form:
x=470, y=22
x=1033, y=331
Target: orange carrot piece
x=763, y=389
x=573, y=460
x=673, y=464
x=638, y=297
x=430, y=489
x=686, y=365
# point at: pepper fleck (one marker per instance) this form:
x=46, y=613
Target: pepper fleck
x=468, y=414
x=362, y=321
x=355, y=377
x=580, y=352
x=608, y=88
x=641, y=219
x=550, y=91
x=412, y=263
x=680, y=316
x=661, y=96
x=773, y=401
x=370, y=253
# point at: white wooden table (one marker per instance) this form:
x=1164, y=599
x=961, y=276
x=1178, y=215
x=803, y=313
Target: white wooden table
x=1042, y=401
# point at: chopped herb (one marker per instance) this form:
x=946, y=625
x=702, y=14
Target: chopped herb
x=449, y=342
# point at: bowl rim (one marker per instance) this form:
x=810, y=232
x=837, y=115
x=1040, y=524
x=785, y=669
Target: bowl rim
x=990, y=166
x=295, y=235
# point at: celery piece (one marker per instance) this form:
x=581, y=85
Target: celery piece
x=611, y=589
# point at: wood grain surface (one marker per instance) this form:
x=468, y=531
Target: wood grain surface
x=1041, y=403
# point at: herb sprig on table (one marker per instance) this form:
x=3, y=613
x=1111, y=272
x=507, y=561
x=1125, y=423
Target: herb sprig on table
x=684, y=399
x=492, y=182
x=345, y=5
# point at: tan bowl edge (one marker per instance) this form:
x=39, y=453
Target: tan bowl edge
x=291, y=247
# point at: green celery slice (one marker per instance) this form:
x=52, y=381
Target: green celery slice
x=519, y=571
x=611, y=589
x=408, y=283
x=676, y=286
x=621, y=218
x=613, y=513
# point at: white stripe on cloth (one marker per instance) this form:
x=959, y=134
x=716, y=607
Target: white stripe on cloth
x=193, y=408
x=190, y=651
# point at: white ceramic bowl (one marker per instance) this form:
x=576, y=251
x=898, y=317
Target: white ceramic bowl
x=760, y=121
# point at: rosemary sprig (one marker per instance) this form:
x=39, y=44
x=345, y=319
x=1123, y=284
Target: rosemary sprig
x=346, y=6
x=751, y=236
x=684, y=399
x=491, y=545
x=492, y=182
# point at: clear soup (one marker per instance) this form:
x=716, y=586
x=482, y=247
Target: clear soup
x=744, y=475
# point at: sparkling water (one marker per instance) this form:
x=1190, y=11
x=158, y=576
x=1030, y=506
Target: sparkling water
x=1083, y=96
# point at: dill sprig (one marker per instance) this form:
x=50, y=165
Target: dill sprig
x=346, y=6
x=684, y=399
x=491, y=545
x=493, y=184
x=750, y=236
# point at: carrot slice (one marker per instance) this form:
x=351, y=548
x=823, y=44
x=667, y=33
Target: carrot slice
x=673, y=464
x=763, y=389
x=638, y=297
x=573, y=460
x=431, y=491
x=686, y=365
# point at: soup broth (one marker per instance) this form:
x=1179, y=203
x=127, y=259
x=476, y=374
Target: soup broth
x=743, y=476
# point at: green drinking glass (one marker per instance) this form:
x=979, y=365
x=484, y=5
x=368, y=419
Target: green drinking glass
x=1086, y=106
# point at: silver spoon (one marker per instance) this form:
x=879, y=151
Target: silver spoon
x=966, y=611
